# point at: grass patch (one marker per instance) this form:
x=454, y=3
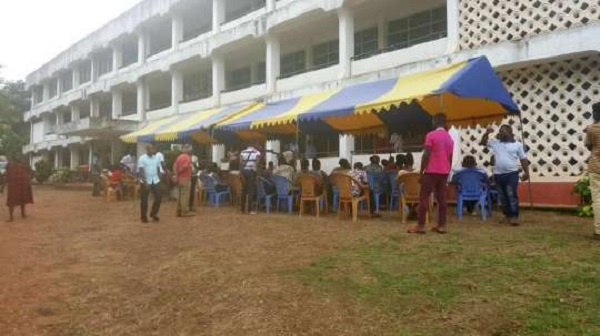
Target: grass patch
x=468, y=284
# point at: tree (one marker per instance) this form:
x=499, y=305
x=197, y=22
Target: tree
x=14, y=132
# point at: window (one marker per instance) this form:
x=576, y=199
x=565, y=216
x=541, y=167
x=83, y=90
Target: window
x=129, y=103
x=38, y=96
x=366, y=42
x=327, y=145
x=85, y=72
x=293, y=63
x=237, y=9
x=261, y=74
x=66, y=117
x=104, y=63
x=53, y=88
x=130, y=53
x=239, y=78
x=66, y=81
x=159, y=38
x=197, y=85
x=326, y=54
x=84, y=110
x=418, y=28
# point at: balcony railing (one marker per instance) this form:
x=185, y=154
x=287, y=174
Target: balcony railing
x=95, y=124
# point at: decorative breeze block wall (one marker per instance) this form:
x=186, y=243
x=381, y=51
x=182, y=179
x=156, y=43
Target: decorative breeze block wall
x=491, y=21
x=556, y=102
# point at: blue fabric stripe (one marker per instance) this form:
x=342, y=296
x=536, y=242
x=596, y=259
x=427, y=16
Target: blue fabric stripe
x=479, y=80
x=269, y=111
x=345, y=101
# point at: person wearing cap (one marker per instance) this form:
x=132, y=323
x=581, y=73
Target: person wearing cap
x=592, y=142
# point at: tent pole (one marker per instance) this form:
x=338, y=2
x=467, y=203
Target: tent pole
x=529, y=192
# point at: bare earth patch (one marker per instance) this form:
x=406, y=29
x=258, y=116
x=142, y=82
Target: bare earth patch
x=80, y=266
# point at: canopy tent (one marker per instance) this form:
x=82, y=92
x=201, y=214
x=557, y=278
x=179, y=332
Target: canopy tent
x=468, y=93
x=181, y=127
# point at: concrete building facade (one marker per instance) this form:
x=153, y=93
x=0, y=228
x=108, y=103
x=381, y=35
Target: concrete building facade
x=168, y=57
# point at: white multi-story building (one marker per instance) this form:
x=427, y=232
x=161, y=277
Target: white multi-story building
x=166, y=57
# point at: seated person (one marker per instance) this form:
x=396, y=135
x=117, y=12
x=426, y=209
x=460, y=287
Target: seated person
x=115, y=177
x=285, y=169
x=374, y=166
x=469, y=164
x=389, y=165
x=360, y=175
x=405, y=164
x=304, y=166
x=344, y=167
x=214, y=173
x=316, y=170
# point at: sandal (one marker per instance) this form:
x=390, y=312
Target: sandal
x=438, y=230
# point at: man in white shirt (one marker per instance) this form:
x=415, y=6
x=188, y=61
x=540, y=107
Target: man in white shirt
x=150, y=169
x=508, y=154
x=249, y=162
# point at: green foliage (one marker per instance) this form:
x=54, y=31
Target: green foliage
x=11, y=143
x=61, y=176
x=582, y=188
x=13, y=131
x=43, y=171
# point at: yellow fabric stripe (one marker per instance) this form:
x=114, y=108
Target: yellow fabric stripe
x=305, y=104
x=480, y=111
x=236, y=116
x=171, y=132
x=412, y=87
x=132, y=137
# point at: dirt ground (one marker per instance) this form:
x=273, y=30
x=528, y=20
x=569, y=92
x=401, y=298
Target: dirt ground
x=80, y=266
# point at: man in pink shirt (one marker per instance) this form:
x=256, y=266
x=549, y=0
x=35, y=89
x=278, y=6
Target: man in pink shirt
x=183, y=173
x=435, y=167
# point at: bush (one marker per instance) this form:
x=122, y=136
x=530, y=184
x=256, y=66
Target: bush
x=43, y=171
x=582, y=188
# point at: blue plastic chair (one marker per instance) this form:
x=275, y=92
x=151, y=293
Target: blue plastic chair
x=215, y=197
x=262, y=194
x=471, y=186
x=376, y=184
x=284, y=192
x=394, y=191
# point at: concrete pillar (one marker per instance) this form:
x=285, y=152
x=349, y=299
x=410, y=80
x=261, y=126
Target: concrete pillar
x=94, y=68
x=346, y=32
x=176, y=30
x=453, y=17
x=273, y=63
x=90, y=154
x=94, y=107
x=59, y=87
x=218, y=16
x=271, y=5
x=117, y=50
x=218, y=153
x=75, y=114
x=275, y=146
x=75, y=162
x=141, y=47
x=141, y=99
x=346, y=147
x=57, y=158
x=382, y=33
x=59, y=117
x=117, y=104
x=218, y=78
x=76, y=76
x=176, y=89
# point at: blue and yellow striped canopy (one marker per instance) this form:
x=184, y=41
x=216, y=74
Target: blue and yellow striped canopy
x=468, y=93
x=182, y=127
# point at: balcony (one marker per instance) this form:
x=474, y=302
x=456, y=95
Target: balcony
x=97, y=127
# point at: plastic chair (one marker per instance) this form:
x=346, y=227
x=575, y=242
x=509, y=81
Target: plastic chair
x=309, y=193
x=261, y=193
x=471, y=186
x=343, y=183
x=376, y=183
x=210, y=186
x=394, y=190
x=411, y=190
x=284, y=192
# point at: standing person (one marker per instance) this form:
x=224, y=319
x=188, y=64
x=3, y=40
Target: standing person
x=374, y=166
x=194, y=182
x=182, y=168
x=18, y=180
x=250, y=159
x=3, y=163
x=592, y=142
x=435, y=167
x=507, y=153
x=95, y=173
x=150, y=169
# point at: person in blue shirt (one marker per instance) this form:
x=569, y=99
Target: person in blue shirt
x=150, y=171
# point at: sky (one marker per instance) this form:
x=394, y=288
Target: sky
x=32, y=32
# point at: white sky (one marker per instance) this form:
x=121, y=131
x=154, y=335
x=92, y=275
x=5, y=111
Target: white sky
x=34, y=31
